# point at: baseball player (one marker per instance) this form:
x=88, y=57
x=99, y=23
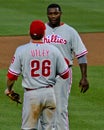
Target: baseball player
x=67, y=40
x=38, y=63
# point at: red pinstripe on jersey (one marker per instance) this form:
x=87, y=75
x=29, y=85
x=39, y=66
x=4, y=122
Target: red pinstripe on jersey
x=83, y=53
x=65, y=74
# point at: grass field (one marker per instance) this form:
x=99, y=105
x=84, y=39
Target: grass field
x=86, y=111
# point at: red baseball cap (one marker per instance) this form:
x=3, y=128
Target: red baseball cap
x=37, y=27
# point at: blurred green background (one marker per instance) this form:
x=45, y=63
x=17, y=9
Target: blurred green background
x=16, y=15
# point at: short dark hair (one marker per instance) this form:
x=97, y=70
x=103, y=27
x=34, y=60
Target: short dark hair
x=36, y=37
x=54, y=6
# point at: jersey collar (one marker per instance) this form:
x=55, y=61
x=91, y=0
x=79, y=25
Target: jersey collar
x=36, y=42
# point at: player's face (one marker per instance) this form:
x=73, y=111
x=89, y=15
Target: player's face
x=53, y=15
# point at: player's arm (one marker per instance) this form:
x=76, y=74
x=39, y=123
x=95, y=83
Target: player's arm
x=14, y=70
x=84, y=84
x=11, y=78
x=9, y=90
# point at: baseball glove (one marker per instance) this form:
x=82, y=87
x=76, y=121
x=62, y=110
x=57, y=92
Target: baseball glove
x=15, y=97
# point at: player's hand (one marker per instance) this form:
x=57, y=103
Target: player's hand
x=7, y=91
x=13, y=96
x=84, y=85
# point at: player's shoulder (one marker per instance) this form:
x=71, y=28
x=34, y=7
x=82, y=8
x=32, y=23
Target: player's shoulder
x=50, y=46
x=53, y=49
x=22, y=47
x=69, y=27
x=64, y=26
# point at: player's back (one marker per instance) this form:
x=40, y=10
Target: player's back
x=40, y=64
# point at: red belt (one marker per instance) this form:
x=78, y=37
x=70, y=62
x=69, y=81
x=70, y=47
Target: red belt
x=30, y=89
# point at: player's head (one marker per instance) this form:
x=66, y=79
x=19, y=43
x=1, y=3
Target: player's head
x=37, y=29
x=54, y=14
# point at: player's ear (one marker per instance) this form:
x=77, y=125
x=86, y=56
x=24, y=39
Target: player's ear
x=60, y=13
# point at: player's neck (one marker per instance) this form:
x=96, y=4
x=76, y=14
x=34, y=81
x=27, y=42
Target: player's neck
x=57, y=25
x=37, y=41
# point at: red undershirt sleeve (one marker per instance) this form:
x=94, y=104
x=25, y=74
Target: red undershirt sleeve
x=11, y=76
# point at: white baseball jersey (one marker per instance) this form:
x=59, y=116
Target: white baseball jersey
x=40, y=64
x=67, y=40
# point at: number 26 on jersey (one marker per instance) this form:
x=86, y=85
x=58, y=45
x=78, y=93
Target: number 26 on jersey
x=39, y=68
